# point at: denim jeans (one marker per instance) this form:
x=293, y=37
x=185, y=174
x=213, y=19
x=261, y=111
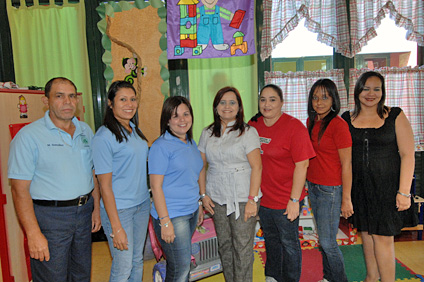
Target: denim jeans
x=127, y=265
x=283, y=252
x=178, y=253
x=326, y=204
x=235, y=243
x=68, y=232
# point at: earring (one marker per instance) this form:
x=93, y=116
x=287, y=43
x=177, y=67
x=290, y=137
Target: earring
x=332, y=109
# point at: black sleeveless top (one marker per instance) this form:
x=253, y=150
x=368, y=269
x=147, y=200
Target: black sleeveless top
x=376, y=173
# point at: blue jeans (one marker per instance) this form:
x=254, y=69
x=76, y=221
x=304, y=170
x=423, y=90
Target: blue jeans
x=127, y=265
x=283, y=252
x=178, y=253
x=68, y=232
x=326, y=204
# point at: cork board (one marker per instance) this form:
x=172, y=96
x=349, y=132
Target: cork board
x=132, y=40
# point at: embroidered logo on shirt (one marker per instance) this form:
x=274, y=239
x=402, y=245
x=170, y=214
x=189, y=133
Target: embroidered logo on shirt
x=264, y=140
x=55, y=145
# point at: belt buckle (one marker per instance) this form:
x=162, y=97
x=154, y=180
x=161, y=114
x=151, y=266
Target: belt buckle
x=82, y=200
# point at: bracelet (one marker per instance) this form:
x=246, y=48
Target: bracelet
x=160, y=218
x=252, y=202
x=165, y=224
x=403, y=194
x=202, y=196
x=113, y=235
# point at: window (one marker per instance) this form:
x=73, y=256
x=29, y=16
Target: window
x=301, y=51
x=388, y=49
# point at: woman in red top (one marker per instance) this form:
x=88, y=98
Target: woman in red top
x=285, y=152
x=329, y=174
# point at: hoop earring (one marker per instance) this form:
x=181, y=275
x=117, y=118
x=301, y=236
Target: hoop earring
x=332, y=109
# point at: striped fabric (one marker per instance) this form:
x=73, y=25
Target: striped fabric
x=367, y=15
x=327, y=18
x=296, y=88
x=405, y=89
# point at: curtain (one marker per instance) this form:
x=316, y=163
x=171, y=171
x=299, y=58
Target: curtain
x=207, y=76
x=367, y=15
x=50, y=41
x=296, y=88
x=404, y=88
x=327, y=18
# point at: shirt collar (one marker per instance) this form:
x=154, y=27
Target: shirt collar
x=50, y=125
x=169, y=136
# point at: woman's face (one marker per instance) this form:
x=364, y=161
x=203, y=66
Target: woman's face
x=270, y=103
x=124, y=105
x=181, y=121
x=228, y=107
x=372, y=92
x=321, y=102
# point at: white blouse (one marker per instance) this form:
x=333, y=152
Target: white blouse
x=228, y=174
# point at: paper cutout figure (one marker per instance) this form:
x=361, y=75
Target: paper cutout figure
x=23, y=107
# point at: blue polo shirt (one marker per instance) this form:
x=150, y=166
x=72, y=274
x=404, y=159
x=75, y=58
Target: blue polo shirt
x=59, y=166
x=127, y=161
x=180, y=163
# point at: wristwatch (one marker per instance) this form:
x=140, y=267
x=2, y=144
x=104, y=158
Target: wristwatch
x=294, y=200
x=254, y=198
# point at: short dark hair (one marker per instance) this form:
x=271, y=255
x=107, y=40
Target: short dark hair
x=239, y=124
x=169, y=109
x=331, y=88
x=359, y=87
x=110, y=120
x=50, y=83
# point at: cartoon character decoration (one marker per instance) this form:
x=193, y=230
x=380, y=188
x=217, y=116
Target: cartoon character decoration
x=130, y=66
x=196, y=26
x=23, y=107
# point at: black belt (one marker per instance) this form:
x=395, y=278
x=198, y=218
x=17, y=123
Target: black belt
x=80, y=201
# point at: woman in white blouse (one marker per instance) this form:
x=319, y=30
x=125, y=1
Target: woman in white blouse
x=231, y=190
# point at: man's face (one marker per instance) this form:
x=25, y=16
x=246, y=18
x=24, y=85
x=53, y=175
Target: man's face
x=62, y=101
x=209, y=3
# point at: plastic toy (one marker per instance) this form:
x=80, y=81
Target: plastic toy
x=205, y=259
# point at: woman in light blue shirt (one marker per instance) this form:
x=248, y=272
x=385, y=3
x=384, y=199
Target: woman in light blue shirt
x=231, y=148
x=120, y=162
x=174, y=167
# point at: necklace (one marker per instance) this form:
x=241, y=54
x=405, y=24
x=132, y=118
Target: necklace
x=63, y=140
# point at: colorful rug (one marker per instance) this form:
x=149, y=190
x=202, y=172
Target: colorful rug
x=354, y=262
x=312, y=267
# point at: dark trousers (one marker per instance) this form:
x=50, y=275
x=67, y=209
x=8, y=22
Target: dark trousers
x=283, y=252
x=68, y=232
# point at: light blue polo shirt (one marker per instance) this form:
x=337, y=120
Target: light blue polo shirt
x=127, y=161
x=58, y=165
x=180, y=163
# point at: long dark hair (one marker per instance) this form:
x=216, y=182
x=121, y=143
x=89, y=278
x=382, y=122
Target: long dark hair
x=330, y=87
x=110, y=120
x=359, y=87
x=277, y=90
x=169, y=109
x=239, y=124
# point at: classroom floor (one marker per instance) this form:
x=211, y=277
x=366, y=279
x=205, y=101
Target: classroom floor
x=408, y=252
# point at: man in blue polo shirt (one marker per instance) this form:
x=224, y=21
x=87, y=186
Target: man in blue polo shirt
x=57, y=202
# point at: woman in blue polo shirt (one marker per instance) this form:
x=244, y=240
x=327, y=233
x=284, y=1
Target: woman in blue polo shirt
x=174, y=167
x=120, y=156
